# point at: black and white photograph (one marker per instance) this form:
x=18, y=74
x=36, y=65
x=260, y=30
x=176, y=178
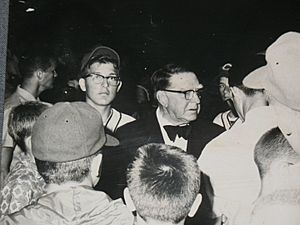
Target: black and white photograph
x=144, y=112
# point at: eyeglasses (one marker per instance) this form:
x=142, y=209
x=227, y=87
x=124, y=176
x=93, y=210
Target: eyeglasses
x=188, y=94
x=98, y=79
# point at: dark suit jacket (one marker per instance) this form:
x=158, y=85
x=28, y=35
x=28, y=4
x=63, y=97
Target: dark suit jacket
x=144, y=131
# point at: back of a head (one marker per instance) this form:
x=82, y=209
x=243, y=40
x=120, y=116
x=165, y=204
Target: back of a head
x=272, y=147
x=65, y=139
x=163, y=182
x=22, y=119
x=34, y=59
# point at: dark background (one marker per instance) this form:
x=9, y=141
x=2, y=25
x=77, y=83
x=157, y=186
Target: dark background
x=149, y=34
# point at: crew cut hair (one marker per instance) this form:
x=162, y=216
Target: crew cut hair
x=163, y=182
x=272, y=147
x=62, y=172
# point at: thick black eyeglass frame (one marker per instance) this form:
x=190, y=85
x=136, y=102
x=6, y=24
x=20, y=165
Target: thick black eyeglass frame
x=198, y=92
x=117, y=78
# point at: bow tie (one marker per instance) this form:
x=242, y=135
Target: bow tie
x=181, y=131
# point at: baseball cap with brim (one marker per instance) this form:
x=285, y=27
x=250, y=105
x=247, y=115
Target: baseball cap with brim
x=280, y=76
x=69, y=131
x=98, y=52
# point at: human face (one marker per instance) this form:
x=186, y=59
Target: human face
x=224, y=88
x=179, y=109
x=48, y=77
x=100, y=94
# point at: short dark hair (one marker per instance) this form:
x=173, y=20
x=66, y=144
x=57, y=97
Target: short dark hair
x=21, y=120
x=271, y=147
x=101, y=60
x=62, y=172
x=163, y=182
x=160, y=78
x=250, y=91
x=41, y=58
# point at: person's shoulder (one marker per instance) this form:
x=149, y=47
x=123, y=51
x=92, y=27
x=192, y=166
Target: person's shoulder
x=207, y=126
x=138, y=125
x=31, y=215
x=12, y=101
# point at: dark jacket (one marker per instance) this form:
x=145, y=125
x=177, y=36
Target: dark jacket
x=144, y=131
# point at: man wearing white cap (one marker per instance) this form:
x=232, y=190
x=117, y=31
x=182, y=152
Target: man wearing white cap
x=277, y=154
x=281, y=80
x=228, y=159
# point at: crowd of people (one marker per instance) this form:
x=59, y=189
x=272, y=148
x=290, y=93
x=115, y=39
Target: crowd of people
x=85, y=162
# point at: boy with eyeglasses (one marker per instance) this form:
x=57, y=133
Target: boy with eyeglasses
x=100, y=80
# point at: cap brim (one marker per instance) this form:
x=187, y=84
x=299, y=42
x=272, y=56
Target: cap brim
x=257, y=79
x=111, y=141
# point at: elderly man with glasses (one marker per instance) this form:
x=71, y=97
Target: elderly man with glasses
x=100, y=80
x=175, y=122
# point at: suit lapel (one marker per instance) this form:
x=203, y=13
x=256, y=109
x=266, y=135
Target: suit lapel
x=155, y=135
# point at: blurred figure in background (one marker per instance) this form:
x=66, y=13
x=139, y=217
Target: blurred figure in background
x=228, y=118
x=12, y=76
x=38, y=74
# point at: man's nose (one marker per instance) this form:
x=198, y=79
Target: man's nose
x=196, y=98
x=104, y=82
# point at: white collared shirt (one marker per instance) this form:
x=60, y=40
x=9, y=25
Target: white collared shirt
x=179, y=142
x=229, y=162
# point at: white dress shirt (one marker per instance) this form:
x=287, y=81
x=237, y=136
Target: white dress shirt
x=229, y=162
x=179, y=142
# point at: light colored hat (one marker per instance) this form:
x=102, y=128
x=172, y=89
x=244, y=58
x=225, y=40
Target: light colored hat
x=69, y=131
x=281, y=75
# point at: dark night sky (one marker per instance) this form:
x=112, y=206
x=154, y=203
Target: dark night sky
x=153, y=32
x=148, y=34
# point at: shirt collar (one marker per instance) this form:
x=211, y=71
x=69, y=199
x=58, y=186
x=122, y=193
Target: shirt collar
x=163, y=121
x=261, y=111
x=25, y=94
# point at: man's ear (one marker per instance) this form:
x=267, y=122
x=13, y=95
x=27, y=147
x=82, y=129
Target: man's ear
x=119, y=86
x=162, y=98
x=82, y=84
x=28, y=144
x=39, y=74
x=95, y=166
x=195, y=205
x=128, y=200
